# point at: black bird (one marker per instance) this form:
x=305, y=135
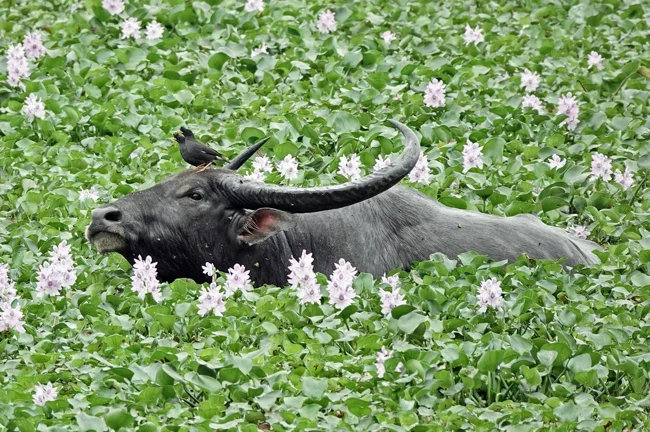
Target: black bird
x=193, y=152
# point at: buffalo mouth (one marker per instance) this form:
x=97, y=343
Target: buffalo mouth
x=106, y=241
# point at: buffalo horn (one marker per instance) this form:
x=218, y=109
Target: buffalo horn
x=245, y=155
x=253, y=195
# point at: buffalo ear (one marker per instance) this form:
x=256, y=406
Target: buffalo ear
x=264, y=223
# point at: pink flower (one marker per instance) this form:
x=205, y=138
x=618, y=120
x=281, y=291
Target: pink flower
x=556, y=162
x=490, y=295
x=44, y=393
x=145, y=278
x=131, y=28
x=601, y=166
x=421, y=173
x=530, y=80
x=595, y=60
x=532, y=101
x=434, y=94
x=33, y=108
x=254, y=5
x=472, y=156
x=381, y=163
x=326, y=22
x=260, y=50
x=624, y=179
x=33, y=45
x=579, y=231
x=154, y=30
x=568, y=105
x=237, y=279
x=350, y=168
x=114, y=7
x=474, y=36
x=388, y=37
x=211, y=300
x=288, y=168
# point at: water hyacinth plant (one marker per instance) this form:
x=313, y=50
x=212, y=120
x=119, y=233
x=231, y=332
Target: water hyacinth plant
x=522, y=109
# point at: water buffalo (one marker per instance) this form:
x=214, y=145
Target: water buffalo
x=221, y=217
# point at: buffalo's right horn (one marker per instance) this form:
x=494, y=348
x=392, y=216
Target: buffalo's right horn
x=245, y=155
x=253, y=195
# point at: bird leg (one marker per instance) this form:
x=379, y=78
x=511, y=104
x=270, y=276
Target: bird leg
x=203, y=167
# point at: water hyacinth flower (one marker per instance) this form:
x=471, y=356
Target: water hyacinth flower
x=91, y=194
x=254, y=5
x=237, y=279
x=131, y=28
x=568, y=105
x=532, y=101
x=263, y=164
x=256, y=175
x=601, y=167
x=434, y=94
x=350, y=168
x=17, y=66
x=33, y=108
x=381, y=163
x=44, y=393
x=288, y=168
x=56, y=273
x=303, y=278
x=530, y=80
x=114, y=7
x=145, y=278
x=11, y=317
x=33, y=45
x=326, y=22
x=154, y=31
x=382, y=356
x=556, y=162
x=420, y=172
x=474, y=36
x=594, y=60
x=211, y=300
x=209, y=269
x=390, y=300
x=472, y=156
x=261, y=50
x=388, y=37
x=7, y=288
x=490, y=295
x=341, y=294
x=579, y=231
x=625, y=179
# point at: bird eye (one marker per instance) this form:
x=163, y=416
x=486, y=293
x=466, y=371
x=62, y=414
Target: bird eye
x=196, y=196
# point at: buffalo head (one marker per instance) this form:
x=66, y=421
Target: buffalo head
x=217, y=215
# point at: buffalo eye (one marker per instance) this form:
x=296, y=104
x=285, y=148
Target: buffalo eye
x=196, y=196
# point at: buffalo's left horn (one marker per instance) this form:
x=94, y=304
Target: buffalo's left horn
x=245, y=155
x=253, y=195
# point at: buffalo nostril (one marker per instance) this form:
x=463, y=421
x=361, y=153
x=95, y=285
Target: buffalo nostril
x=113, y=216
x=110, y=214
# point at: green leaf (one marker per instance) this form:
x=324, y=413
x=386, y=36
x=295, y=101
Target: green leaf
x=532, y=376
x=358, y=407
x=454, y=202
x=313, y=387
x=552, y=203
x=217, y=61
x=409, y=322
x=345, y=122
x=87, y=422
x=117, y=418
x=282, y=150
x=490, y=360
